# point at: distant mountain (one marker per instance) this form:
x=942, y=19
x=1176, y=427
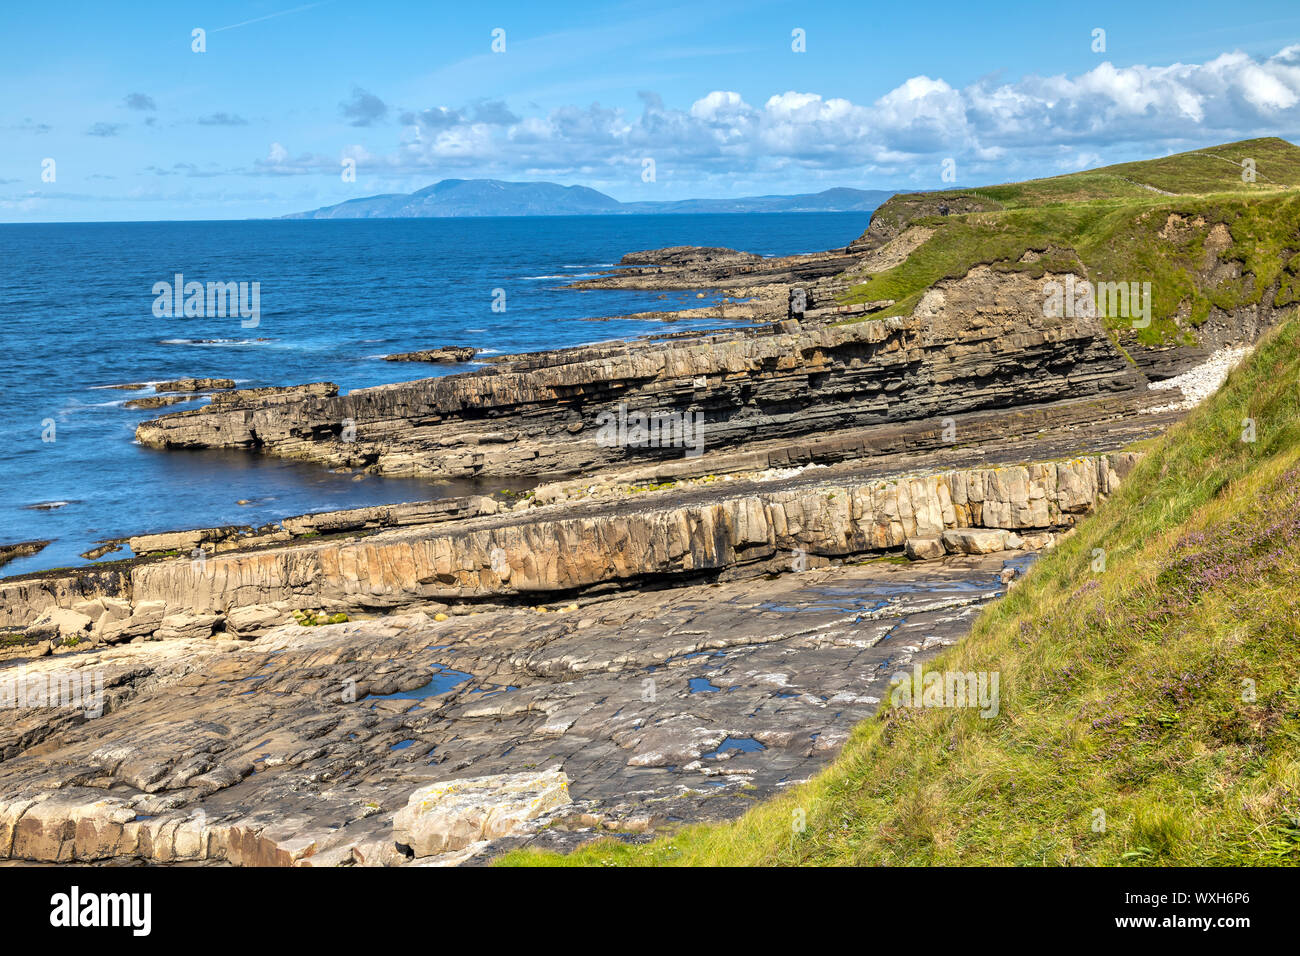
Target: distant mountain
x=492, y=197
x=839, y=199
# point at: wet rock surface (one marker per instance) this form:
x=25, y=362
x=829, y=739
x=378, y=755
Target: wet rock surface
x=447, y=354
x=159, y=401
x=194, y=384
x=302, y=747
x=20, y=549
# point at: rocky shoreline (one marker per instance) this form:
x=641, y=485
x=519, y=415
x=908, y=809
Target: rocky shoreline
x=317, y=745
x=540, y=414
x=731, y=542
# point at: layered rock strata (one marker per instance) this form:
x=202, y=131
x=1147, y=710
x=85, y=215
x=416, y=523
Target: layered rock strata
x=695, y=267
x=976, y=343
x=566, y=549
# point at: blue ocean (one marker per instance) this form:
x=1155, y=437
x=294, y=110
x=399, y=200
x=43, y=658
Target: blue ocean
x=77, y=315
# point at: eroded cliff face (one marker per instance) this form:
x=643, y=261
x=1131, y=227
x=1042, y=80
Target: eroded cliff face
x=978, y=342
x=897, y=214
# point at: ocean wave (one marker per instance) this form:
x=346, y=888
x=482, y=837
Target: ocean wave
x=74, y=405
x=215, y=342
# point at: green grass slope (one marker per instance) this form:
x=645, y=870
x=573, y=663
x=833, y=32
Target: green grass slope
x=1150, y=710
x=1161, y=221
x=1197, y=172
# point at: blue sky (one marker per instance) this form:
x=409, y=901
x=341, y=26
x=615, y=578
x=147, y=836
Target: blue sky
x=140, y=126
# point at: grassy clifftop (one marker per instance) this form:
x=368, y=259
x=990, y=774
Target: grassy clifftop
x=1214, y=170
x=1204, y=237
x=1149, y=680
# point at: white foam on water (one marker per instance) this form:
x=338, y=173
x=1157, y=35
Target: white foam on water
x=215, y=343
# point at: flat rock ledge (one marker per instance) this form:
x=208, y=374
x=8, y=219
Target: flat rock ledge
x=446, y=355
x=417, y=739
x=558, y=551
x=449, y=816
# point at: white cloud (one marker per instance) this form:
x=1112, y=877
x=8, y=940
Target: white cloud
x=719, y=105
x=988, y=125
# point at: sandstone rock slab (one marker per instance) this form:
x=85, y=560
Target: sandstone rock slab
x=61, y=623
x=975, y=540
x=448, y=816
x=924, y=549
